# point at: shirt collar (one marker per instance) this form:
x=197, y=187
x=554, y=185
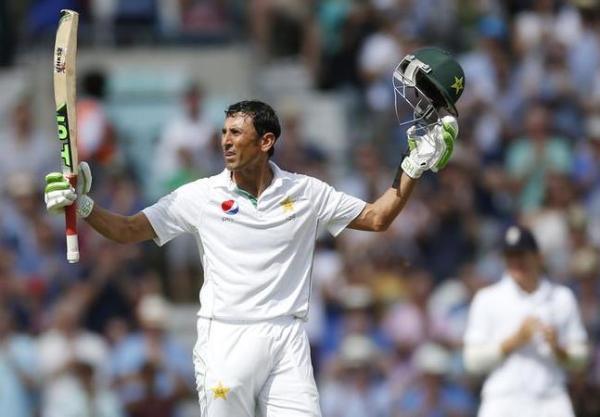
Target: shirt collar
x=224, y=179
x=541, y=292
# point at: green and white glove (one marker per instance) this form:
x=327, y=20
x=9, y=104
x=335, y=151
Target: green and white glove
x=431, y=150
x=59, y=193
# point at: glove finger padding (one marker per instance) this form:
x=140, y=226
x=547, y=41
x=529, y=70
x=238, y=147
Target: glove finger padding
x=446, y=147
x=84, y=179
x=446, y=134
x=431, y=150
x=54, y=177
x=411, y=138
x=57, y=200
x=58, y=192
x=450, y=124
x=420, y=150
x=449, y=148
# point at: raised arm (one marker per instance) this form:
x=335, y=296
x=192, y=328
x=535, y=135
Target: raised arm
x=378, y=216
x=430, y=151
x=122, y=229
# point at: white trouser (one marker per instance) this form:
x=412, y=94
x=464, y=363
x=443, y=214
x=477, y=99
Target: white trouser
x=249, y=369
x=558, y=405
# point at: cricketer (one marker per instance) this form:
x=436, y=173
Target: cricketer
x=256, y=225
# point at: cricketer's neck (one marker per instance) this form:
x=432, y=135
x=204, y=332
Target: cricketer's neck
x=253, y=179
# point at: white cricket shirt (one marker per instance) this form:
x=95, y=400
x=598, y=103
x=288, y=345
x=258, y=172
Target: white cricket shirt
x=257, y=260
x=496, y=314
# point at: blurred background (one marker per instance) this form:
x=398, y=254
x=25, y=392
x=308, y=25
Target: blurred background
x=112, y=335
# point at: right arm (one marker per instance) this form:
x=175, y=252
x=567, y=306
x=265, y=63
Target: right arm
x=521, y=337
x=481, y=355
x=121, y=229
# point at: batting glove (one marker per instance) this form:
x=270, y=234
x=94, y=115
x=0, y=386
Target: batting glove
x=59, y=193
x=431, y=150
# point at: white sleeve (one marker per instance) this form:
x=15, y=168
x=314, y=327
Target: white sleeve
x=572, y=334
x=480, y=355
x=572, y=330
x=175, y=213
x=335, y=209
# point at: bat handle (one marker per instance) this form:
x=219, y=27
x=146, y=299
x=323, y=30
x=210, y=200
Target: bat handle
x=71, y=228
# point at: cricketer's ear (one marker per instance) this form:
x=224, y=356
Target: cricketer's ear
x=267, y=141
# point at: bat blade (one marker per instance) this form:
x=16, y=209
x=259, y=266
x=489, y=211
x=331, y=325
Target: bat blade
x=64, y=68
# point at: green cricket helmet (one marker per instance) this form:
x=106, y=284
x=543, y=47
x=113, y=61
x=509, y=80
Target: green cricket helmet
x=431, y=81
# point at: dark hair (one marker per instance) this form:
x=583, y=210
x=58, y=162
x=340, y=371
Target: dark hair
x=264, y=118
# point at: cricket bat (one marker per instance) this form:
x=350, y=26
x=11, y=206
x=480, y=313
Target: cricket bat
x=64, y=66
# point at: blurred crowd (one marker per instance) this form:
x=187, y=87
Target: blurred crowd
x=388, y=310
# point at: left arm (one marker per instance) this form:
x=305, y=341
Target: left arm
x=378, y=216
x=573, y=355
x=430, y=151
x=568, y=340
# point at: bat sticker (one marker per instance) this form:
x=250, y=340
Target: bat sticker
x=62, y=121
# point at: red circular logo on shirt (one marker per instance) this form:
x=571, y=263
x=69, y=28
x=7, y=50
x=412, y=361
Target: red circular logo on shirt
x=230, y=206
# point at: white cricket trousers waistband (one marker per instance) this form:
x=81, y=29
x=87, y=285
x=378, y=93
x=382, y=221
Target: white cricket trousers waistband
x=254, y=369
x=558, y=405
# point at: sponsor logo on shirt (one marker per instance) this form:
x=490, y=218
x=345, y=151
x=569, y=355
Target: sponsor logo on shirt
x=288, y=205
x=230, y=207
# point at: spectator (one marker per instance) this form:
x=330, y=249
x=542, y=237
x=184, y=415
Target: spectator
x=152, y=403
x=19, y=224
x=531, y=158
x=431, y=394
x=96, y=140
x=22, y=141
x=407, y=322
x=71, y=363
x=184, y=143
x=82, y=396
x=584, y=57
x=18, y=366
x=551, y=222
x=210, y=19
x=379, y=55
x=355, y=388
x=281, y=28
x=151, y=351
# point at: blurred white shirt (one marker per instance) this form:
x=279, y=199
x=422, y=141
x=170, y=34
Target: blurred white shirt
x=184, y=133
x=531, y=371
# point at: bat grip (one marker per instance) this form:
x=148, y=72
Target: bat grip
x=71, y=228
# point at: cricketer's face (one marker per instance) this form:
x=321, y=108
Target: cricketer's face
x=525, y=268
x=240, y=143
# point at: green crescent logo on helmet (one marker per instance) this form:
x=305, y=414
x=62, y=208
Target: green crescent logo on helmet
x=431, y=81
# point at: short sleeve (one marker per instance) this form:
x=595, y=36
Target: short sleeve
x=176, y=213
x=478, y=322
x=335, y=209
